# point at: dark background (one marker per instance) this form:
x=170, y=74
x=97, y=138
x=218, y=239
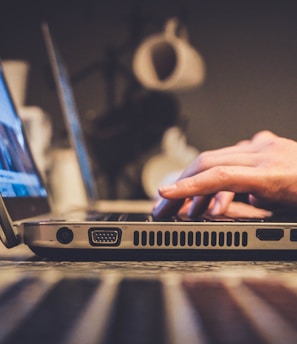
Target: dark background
x=250, y=51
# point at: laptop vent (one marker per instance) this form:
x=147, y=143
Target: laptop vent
x=190, y=239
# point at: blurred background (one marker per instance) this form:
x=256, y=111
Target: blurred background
x=250, y=53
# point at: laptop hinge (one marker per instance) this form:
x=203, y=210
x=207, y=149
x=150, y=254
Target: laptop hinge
x=8, y=232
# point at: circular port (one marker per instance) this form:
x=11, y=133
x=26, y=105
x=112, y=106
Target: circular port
x=64, y=235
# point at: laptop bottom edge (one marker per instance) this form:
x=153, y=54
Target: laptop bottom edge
x=57, y=254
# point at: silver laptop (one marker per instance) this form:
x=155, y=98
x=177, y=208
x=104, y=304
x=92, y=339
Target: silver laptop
x=25, y=211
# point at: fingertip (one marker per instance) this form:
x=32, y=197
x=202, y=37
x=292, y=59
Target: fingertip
x=221, y=202
x=164, y=189
x=216, y=209
x=167, y=208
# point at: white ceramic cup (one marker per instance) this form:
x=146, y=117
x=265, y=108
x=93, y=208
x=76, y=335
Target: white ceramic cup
x=167, y=62
x=66, y=182
x=16, y=73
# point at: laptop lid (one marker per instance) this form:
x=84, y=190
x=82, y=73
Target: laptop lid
x=71, y=115
x=23, y=192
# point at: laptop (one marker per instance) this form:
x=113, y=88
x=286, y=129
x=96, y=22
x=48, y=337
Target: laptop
x=25, y=212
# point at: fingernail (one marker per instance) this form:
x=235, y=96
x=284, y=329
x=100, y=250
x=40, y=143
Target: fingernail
x=167, y=188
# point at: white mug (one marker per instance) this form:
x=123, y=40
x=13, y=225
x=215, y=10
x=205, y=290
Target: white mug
x=167, y=62
x=66, y=182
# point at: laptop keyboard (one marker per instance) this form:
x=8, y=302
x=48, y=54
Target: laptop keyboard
x=135, y=217
x=140, y=217
x=168, y=309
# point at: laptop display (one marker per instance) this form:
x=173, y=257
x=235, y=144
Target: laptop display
x=18, y=176
x=20, y=183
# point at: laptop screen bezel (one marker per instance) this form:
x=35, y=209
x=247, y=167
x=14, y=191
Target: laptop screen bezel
x=24, y=207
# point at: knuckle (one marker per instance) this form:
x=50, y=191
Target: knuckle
x=203, y=161
x=263, y=133
x=264, y=136
x=223, y=173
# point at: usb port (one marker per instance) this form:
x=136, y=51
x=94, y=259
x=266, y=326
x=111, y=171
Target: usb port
x=105, y=236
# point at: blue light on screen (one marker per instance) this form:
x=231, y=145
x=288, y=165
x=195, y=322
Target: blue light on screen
x=18, y=175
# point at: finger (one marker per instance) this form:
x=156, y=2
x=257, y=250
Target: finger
x=239, y=154
x=244, y=210
x=184, y=209
x=233, y=155
x=223, y=178
x=221, y=202
x=199, y=205
x=166, y=208
x=250, y=159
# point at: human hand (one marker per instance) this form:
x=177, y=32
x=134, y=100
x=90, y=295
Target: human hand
x=264, y=167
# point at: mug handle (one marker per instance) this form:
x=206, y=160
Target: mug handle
x=173, y=27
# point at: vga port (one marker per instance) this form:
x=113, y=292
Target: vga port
x=109, y=236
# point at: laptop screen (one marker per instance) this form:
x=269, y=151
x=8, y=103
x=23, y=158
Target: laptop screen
x=19, y=178
x=71, y=115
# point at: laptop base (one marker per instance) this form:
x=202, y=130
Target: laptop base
x=58, y=254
